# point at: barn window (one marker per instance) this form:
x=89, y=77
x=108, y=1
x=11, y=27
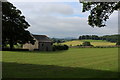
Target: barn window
x=42, y=44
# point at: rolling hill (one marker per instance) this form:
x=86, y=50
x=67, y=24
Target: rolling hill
x=93, y=42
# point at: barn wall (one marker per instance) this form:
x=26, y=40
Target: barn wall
x=45, y=46
x=30, y=46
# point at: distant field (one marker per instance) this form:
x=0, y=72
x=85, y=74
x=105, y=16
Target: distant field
x=93, y=42
x=73, y=63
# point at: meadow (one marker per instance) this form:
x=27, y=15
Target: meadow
x=72, y=63
x=93, y=42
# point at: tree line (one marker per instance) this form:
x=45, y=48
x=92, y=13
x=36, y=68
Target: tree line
x=110, y=38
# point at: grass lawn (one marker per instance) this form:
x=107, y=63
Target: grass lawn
x=73, y=63
x=93, y=42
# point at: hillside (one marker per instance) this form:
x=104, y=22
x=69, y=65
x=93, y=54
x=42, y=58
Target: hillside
x=93, y=42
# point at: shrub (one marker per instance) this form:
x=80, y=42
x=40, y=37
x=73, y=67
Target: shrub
x=66, y=47
x=86, y=43
x=60, y=47
x=118, y=43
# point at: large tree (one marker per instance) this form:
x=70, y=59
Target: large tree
x=14, y=26
x=99, y=12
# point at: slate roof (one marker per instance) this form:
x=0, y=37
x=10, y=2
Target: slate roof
x=42, y=38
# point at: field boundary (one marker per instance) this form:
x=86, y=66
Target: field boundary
x=94, y=46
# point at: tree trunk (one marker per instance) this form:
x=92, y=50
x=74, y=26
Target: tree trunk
x=11, y=44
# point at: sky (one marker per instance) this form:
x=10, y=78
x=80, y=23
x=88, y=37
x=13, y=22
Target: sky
x=62, y=19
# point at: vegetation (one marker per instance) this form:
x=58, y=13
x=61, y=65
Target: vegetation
x=118, y=43
x=60, y=40
x=60, y=47
x=99, y=12
x=86, y=43
x=72, y=63
x=14, y=26
x=110, y=38
x=93, y=42
x=92, y=38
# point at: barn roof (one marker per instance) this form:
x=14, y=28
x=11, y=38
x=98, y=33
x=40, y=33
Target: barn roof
x=42, y=38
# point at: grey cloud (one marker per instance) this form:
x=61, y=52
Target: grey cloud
x=44, y=8
x=57, y=8
x=44, y=21
x=69, y=27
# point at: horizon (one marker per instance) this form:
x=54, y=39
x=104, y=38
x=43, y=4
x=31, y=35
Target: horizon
x=77, y=37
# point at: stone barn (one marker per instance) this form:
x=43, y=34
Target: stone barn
x=42, y=43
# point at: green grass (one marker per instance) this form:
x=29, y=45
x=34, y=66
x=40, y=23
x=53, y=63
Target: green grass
x=93, y=42
x=73, y=63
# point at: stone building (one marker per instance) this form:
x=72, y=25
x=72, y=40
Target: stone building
x=42, y=43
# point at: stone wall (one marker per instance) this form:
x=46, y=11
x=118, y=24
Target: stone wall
x=46, y=46
x=30, y=46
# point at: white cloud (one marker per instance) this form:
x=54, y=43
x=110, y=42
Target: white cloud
x=41, y=9
x=62, y=20
x=69, y=27
x=56, y=8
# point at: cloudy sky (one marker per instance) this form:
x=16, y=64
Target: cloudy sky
x=62, y=19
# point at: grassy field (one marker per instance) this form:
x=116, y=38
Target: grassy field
x=73, y=63
x=93, y=42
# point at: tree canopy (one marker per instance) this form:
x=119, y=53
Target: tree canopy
x=14, y=26
x=99, y=12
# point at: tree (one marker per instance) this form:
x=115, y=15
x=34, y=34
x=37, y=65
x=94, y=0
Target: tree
x=99, y=12
x=86, y=43
x=118, y=43
x=14, y=26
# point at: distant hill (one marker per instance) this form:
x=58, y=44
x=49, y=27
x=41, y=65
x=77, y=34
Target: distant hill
x=66, y=38
x=93, y=42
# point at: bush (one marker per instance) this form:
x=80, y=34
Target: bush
x=60, y=47
x=86, y=43
x=118, y=43
x=66, y=47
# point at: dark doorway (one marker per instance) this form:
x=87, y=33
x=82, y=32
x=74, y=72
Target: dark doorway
x=46, y=48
